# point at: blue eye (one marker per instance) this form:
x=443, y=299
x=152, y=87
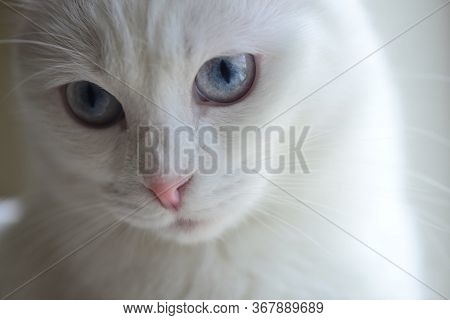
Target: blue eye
x=226, y=79
x=92, y=104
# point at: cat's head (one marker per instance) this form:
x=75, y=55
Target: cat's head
x=99, y=74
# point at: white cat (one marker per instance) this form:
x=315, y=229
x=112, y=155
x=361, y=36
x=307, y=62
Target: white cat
x=92, y=227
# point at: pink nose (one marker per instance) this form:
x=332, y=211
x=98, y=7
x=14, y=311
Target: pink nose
x=169, y=193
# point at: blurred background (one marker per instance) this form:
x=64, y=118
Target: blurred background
x=11, y=176
x=420, y=60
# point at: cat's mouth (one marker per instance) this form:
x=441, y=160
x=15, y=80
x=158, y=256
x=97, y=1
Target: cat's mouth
x=192, y=231
x=187, y=224
x=189, y=231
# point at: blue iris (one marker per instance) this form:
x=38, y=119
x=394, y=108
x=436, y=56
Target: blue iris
x=92, y=104
x=226, y=79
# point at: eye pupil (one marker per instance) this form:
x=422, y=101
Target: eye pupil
x=91, y=96
x=225, y=71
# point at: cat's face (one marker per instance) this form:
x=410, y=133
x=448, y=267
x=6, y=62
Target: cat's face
x=147, y=54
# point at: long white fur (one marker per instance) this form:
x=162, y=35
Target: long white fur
x=260, y=242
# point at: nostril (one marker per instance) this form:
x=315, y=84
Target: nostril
x=168, y=192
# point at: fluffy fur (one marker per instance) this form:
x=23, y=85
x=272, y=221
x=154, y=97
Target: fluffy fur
x=258, y=241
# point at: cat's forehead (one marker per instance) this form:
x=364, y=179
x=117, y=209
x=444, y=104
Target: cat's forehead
x=163, y=28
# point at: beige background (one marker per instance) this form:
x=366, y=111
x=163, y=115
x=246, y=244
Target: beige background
x=11, y=175
x=420, y=60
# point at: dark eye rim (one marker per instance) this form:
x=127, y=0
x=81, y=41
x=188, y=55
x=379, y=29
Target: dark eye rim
x=119, y=118
x=204, y=100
